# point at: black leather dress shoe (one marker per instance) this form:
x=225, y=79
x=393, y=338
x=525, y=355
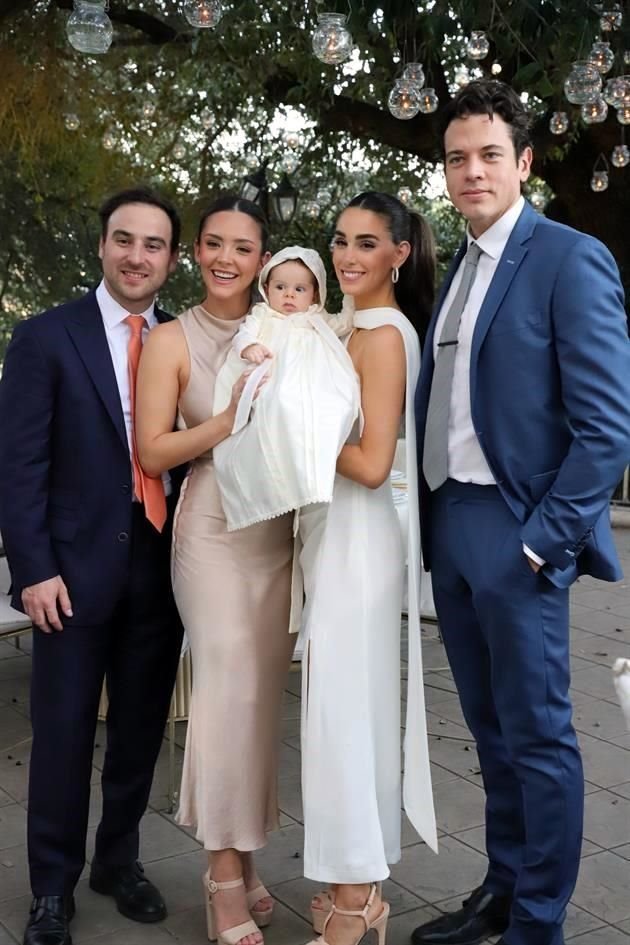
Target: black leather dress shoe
x=136, y=898
x=48, y=921
x=482, y=915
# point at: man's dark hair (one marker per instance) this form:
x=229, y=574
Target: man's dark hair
x=141, y=195
x=489, y=97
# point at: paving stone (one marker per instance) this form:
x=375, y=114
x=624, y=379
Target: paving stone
x=602, y=887
x=595, y=681
x=458, y=805
x=14, y=880
x=456, y=870
x=601, y=719
x=12, y=826
x=604, y=936
x=607, y=819
x=604, y=764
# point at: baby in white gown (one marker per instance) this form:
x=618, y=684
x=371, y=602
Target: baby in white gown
x=284, y=459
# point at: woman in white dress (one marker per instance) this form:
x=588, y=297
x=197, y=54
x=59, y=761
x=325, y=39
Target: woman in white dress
x=384, y=259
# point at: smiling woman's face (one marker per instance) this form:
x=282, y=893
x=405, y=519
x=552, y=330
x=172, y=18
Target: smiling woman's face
x=230, y=257
x=364, y=256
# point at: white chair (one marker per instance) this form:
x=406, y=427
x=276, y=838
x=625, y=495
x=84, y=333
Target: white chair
x=12, y=623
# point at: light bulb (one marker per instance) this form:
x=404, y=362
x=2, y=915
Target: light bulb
x=538, y=201
x=203, y=14
x=89, y=29
x=332, y=42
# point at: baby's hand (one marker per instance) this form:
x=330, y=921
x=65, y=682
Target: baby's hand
x=256, y=354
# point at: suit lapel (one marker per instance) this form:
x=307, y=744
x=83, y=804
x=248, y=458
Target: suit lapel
x=88, y=335
x=513, y=255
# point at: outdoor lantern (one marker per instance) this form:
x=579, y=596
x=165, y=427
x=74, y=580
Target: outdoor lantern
x=538, y=201
x=203, y=14
x=332, y=42
x=558, y=123
x=89, y=29
x=404, y=101
x=595, y=111
x=254, y=187
x=428, y=101
x=414, y=73
x=284, y=200
x=312, y=209
x=599, y=181
x=602, y=57
x=620, y=156
x=478, y=46
x=583, y=84
x=206, y=118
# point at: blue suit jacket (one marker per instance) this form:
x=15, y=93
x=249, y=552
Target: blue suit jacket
x=550, y=393
x=65, y=471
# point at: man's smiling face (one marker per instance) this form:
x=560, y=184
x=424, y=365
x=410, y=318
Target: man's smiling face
x=136, y=255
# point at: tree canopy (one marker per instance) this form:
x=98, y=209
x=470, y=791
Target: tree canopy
x=191, y=111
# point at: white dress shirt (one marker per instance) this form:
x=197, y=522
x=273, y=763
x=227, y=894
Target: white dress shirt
x=466, y=461
x=118, y=335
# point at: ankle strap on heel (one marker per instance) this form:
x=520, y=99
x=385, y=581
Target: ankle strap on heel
x=359, y=913
x=214, y=887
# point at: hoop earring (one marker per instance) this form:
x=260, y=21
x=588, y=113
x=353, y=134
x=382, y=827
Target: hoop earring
x=395, y=274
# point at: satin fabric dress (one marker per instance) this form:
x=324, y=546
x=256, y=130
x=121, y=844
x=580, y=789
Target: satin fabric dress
x=233, y=593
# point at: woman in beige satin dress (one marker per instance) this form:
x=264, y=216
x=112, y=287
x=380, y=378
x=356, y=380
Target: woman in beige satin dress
x=232, y=589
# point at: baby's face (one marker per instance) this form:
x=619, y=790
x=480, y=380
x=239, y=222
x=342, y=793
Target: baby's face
x=291, y=287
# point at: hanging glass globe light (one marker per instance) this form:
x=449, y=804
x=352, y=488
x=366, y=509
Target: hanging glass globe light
x=414, y=73
x=620, y=156
x=595, y=111
x=89, y=29
x=179, y=151
x=623, y=90
x=203, y=14
x=496, y=68
x=324, y=196
x=109, y=140
x=611, y=19
x=602, y=57
x=613, y=91
x=292, y=139
x=289, y=163
x=403, y=101
x=478, y=46
x=558, y=123
x=148, y=108
x=251, y=162
x=311, y=209
x=332, y=42
x=429, y=101
x=599, y=181
x=207, y=119
x=71, y=121
x=462, y=76
x=405, y=195
x=623, y=115
x=538, y=201
x=583, y=84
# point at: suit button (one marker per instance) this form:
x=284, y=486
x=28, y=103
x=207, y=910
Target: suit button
x=125, y=489
x=123, y=536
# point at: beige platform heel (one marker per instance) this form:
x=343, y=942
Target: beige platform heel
x=319, y=913
x=262, y=917
x=378, y=925
x=237, y=932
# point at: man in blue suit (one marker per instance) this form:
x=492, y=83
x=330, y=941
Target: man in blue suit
x=90, y=569
x=523, y=413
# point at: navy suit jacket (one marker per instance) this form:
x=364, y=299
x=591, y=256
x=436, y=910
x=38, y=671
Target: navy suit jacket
x=550, y=393
x=65, y=471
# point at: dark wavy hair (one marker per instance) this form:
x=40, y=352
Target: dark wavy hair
x=141, y=195
x=490, y=97
x=234, y=203
x=415, y=289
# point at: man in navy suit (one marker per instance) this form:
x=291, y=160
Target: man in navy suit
x=89, y=569
x=523, y=413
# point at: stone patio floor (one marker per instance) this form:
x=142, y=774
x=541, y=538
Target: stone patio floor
x=421, y=884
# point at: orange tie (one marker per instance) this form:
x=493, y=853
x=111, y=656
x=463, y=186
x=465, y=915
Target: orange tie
x=147, y=490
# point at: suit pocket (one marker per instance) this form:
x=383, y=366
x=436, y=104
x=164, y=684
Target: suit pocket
x=540, y=484
x=511, y=320
x=63, y=529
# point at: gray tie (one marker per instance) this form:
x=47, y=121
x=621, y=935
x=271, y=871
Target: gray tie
x=435, y=458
